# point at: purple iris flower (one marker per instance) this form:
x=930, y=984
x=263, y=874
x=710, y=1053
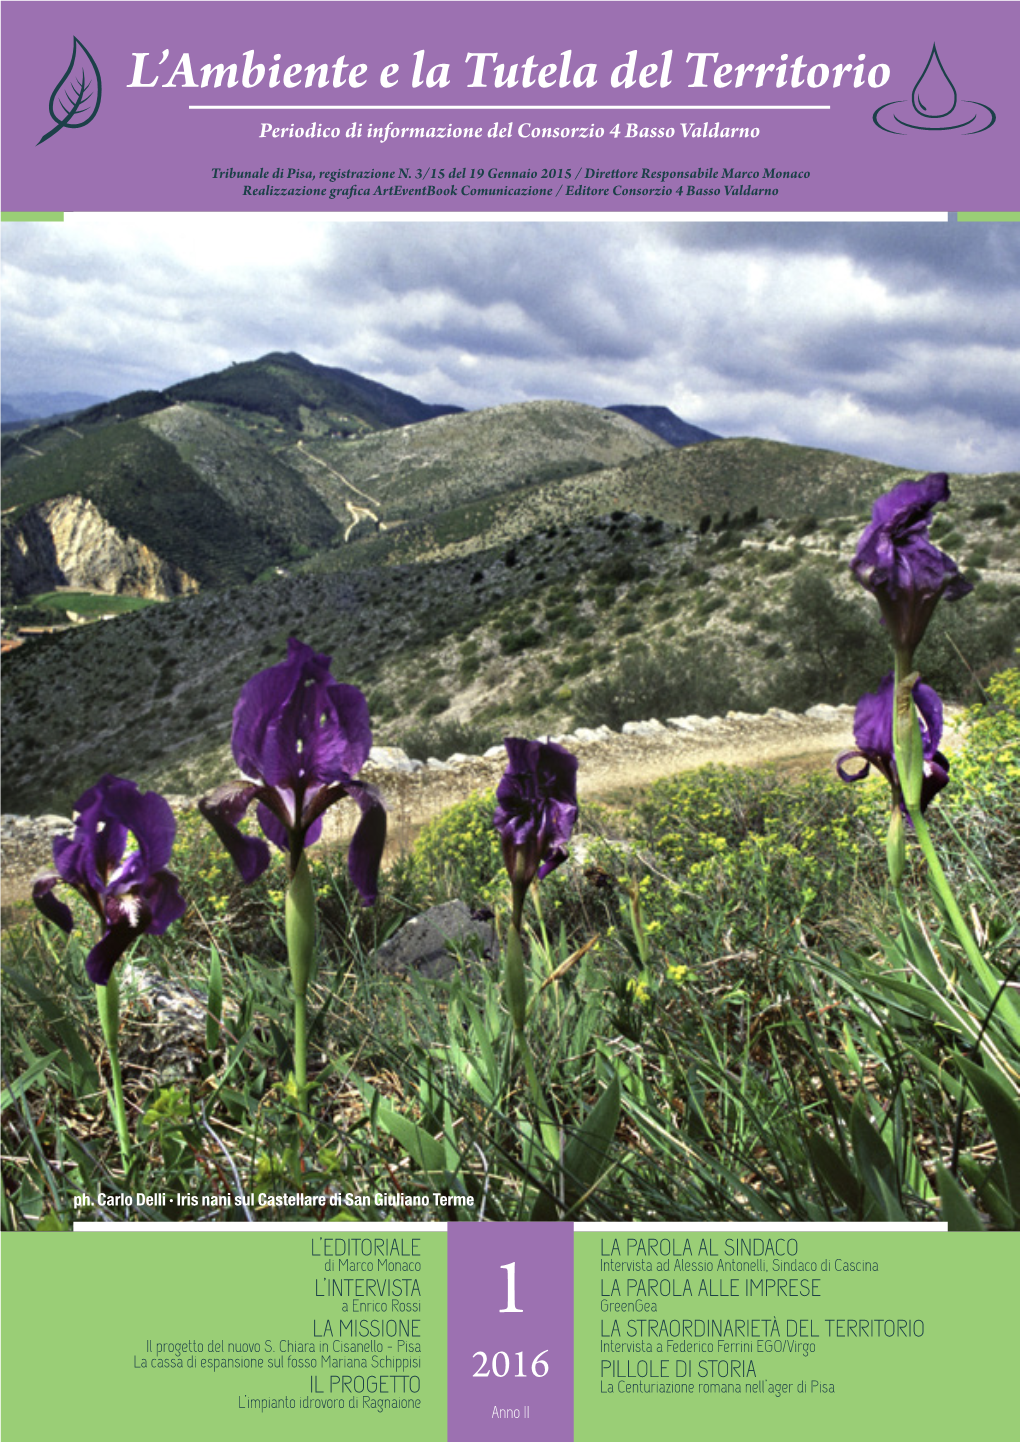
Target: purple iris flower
x=873, y=732
x=299, y=739
x=898, y=564
x=536, y=807
x=130, y=894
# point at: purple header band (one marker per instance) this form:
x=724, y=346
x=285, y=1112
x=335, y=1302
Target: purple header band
x=510, y=1329
x=662, y=109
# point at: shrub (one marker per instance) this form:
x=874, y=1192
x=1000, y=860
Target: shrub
x=773, y=563
x=381, y=705
x=672, y=681
x=988, y=765
x=458, y=854
x=442, y=738
x=833, y=643
x=964, y=644
x=760, y=849
x=982, y=801
x=616, y=571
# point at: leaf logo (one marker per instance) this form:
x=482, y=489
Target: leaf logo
x=76, y=95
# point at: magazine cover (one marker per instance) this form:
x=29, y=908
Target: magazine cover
x=511, y=716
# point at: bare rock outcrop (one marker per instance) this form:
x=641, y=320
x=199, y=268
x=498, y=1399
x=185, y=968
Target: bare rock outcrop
x=433, y=943
x=68, y=542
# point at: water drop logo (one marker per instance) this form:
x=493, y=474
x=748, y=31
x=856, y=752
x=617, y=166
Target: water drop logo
x=934, y=105
x=76, y=95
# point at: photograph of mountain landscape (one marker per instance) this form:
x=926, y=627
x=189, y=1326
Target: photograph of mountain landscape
x=597, y=486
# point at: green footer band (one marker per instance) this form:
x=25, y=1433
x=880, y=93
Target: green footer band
x=988, y=215
x=31, y=215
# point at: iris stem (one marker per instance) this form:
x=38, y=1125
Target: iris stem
x=936, y=874
x=299, y=914
x=301, y=1049
x=108, y=1002
x=940, y=882
x=519, y=890
x=546, y=1121
x=529, y=1067
x=514, y=980
x=517, y=1005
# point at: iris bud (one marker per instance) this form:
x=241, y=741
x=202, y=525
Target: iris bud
x=896, y=847
x=909, y=747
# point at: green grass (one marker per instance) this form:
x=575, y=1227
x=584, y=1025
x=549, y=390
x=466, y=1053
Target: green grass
x=785, y=1041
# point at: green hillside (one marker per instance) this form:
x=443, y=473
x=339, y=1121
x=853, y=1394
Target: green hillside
x=425, y=470
x=605, y=618
x=300, y=395
x=22, y=448
x=273, y=400
x=199, y=492
x=254, y=481
x=145, y=488
x=711, y=485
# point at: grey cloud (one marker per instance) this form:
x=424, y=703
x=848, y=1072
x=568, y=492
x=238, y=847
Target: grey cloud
x=795, y=331
x=972, y=256
x=567, y=285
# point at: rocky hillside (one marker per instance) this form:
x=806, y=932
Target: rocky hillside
x=531, y=567
x=68, y=542
x=221, y=479
x=469, y=460
x=602, y=620
x=205, y=500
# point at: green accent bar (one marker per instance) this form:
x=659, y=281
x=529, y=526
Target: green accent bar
x=31, y=215
x=230, y=1326
x=988, y=215
x=777, y=1356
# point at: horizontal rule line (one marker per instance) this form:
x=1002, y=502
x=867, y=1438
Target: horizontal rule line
x=628, y=109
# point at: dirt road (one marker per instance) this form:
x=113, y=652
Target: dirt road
x=613, y=769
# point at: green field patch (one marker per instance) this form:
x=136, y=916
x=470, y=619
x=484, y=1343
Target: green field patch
x=87, y=603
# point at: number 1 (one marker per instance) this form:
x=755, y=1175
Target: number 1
x=511, y=1305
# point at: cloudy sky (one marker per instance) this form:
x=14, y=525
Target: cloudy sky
x=898, y=341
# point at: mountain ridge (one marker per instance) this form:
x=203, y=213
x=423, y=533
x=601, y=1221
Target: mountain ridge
x=665, y=423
